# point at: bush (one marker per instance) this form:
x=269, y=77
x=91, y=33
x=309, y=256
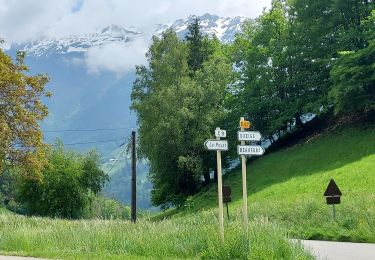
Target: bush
x=67, y=187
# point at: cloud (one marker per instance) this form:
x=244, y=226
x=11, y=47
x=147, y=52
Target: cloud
x=27, y=20
x=116, y=57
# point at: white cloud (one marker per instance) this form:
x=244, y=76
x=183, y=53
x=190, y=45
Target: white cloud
x=26, y=20
x=116, y=57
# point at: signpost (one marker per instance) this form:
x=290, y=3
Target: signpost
x=250, y=150
x=244, y=124
x=247, y=150
x=218, y=146
x=249, y=136
x=220, y=133
x=227, y=191
x=333, y=195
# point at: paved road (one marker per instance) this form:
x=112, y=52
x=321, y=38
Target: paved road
x=327, y=250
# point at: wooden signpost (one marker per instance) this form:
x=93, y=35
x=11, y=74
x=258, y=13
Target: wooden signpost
x=218, y=146
x=247, y=150
x=227, y=191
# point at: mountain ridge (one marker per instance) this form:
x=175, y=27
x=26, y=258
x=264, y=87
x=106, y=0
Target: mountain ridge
x=224, y=28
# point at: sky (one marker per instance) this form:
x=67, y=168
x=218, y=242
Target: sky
x=27, y=20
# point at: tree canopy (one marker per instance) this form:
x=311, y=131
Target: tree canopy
x=21, y=109
x=178, y=99
x=69, y=183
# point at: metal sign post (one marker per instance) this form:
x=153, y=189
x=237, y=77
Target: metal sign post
x=218, y=146
x=333, y=195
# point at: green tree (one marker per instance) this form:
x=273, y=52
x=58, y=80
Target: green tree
x=199, y=46
x=259, y=55
x=176, y=113
x=353, y=74
x=21, y=141
x=66, y=187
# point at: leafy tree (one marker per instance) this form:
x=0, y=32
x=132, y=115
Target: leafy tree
x=8, y=191
x=176, y=113
x=259, y=55
x=199, y=46
x=285, y=60
x=21, y=109
x=66, y=187
x=353, y=74
x=318, y=30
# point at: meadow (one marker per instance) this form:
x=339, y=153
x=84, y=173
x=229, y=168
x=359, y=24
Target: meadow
x=192, y=237
x=287, y=187
x=285, y=201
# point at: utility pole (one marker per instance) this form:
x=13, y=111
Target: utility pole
x=134, y=181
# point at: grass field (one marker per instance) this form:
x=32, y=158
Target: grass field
x=287, y=187
x=192, y=237
x=285, y=201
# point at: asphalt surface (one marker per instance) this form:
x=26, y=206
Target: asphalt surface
x=327, y=250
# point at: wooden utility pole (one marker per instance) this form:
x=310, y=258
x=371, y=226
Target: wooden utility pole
x=244, y=184
x=134, y=181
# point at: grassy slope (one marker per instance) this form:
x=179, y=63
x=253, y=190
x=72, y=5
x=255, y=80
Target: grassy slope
x=287, y=187
x=4, y=211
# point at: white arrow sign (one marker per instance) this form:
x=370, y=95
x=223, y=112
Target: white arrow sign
x=249, y=136
x=216, y=145
x=250, y=150
x=220, y=133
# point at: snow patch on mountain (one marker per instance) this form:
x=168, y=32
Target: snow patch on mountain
x=81, y=43
x=224, y=28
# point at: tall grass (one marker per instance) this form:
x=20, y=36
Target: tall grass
x=194, y=237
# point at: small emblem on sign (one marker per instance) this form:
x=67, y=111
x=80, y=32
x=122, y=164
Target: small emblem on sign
x=245, y=124
x=220, y=133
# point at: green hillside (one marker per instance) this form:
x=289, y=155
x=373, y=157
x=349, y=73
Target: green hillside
x=287, y=186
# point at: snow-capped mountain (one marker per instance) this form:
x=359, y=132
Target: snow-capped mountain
x=81, y=43
x=224, y=28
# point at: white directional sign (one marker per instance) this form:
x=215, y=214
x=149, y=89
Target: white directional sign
x=250, y=150
x=220, y=133
x=249, y=136
x=216, y=145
